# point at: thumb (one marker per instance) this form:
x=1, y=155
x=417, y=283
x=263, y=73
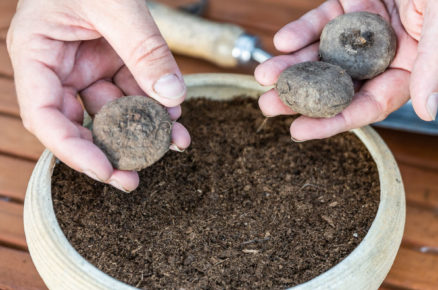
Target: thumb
x=424, y=78
x=131, y=31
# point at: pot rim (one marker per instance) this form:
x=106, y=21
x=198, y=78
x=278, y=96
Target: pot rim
x=43, y=231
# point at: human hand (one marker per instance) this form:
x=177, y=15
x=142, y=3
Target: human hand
x=412, y=72
x=102, y=50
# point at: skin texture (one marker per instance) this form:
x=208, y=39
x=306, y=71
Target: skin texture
x=62, y=48
x=315, y=89
x=360, y=42
x=134, y=132
x=411, y=74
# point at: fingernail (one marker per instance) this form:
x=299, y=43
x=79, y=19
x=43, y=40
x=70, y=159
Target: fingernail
x=116, y=184
x=170, y=87
x=296, y=140
x=176, y=148
x=92, y=175
x=432, y=105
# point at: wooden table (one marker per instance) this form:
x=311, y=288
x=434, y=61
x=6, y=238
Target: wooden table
x=416, y=266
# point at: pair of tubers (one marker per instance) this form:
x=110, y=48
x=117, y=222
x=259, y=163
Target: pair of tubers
x=359, y=45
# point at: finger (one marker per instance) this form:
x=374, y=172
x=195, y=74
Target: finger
x=137, y=40
x=174, y=113
x=93, y=61
x=373, y=6
x=85, y=133
x=424, y=81
x=373, y=103
x=268, y=72
x=411, y=15
x=308, y=28
x=66, y=142
x=124, y=180
x=71, y=107
x=98, y=94
x=271, y=105
x=406, y=45
x=180, y=137
x=126, y=82
x=102, y=92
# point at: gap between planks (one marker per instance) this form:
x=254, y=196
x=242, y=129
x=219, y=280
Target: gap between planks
x=14, y=176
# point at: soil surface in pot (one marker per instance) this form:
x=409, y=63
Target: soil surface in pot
x=243, y=207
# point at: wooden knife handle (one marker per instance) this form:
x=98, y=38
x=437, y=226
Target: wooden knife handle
x=191, y=35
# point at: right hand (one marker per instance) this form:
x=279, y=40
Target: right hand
x=412, y=74
x=101, y=50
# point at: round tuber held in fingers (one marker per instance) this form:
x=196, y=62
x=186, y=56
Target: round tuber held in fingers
x=315, y=89
x=134, y=132
x=362, y=43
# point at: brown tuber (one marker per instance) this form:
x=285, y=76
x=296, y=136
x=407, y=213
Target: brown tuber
x=362, y=43
x=134, y=132
x=315, y=89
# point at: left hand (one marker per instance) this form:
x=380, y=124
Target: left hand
x=101, y=50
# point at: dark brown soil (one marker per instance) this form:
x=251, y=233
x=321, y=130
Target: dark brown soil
x=134, y=132
x=237, y=210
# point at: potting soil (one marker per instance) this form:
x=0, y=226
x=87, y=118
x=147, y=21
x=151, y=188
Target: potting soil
x=244, y=207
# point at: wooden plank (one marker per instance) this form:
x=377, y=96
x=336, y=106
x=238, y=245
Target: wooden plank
x=7, y=10
x=421, y=229
x=410, y=148
x=11, y=225
x=261, y=15
x=18, y=141
x=8, y=98
x=18, y=272
x=413, y=270
x=5, y=62
x=3, y=33
x=421, y=186
x=14, y=176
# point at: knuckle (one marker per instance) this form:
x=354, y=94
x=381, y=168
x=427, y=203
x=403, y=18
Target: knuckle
x=151, y=49
x=347, y=120
x=382, y=107
x=27, y=124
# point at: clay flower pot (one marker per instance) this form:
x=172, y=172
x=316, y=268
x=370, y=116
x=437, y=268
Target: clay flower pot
x=61, y=267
